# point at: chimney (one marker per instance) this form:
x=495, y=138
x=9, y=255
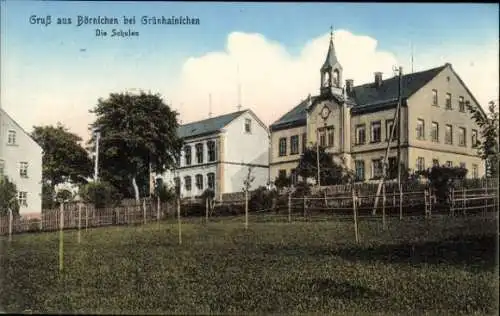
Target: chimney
x=378, y=79
x=349, y=83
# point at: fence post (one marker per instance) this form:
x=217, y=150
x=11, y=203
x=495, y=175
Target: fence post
x=61, y=237
x=383, y=206
x=206, y=210
x=11, y=218
x=246, y=208
x=289, y=207
x=144, y=210
x=464, y=203
x=179, y=219
x=485, y=201
x=326, y=201
x=400, y=201
x=158, y=207
x=452, y=202
x=305, y=206
x=86, y=217
x=79, y=221
x=355, y=215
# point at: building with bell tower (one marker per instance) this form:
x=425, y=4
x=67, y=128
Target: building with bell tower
x=354, y=123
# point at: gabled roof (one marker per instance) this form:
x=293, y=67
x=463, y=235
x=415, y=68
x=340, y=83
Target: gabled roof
x=296, y=117
x=207, y=126
x=366, y=96
x=2, y=111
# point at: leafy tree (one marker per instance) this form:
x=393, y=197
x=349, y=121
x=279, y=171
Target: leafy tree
x=489, y=127
x=64, y=159
x=330, y=172
x=64, y=195
x=262, y=199
x=8, y=197
x=136, y=132
x=48, y=196
x=101, y=194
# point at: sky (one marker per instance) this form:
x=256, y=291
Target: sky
x=265, y=56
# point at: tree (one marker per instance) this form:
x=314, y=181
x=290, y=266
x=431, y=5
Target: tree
x=136, y=132
x=330, y=172
x=489, y=127
x=8, y=197
x=64, y=159
x=282, y=181
x=441, y=179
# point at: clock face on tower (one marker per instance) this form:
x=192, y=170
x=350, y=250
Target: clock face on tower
x=325, y=112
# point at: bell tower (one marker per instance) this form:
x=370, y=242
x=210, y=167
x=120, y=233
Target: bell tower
x=331, y=71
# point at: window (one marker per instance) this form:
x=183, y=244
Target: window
x=448, y=101
x=420, y=129
x=461, y=104
x=23, y=169
x=187, y=155
x=435, y=97
x=435, y=132
x=462, y=165
x=11, y=138
x=211, y=180
x=448, y=136
x=248, y=125
x=294, y=177
x=420, y=164
x=187, y=183
x=211, y=150
x=377, y=168
x=23, y=198
x=199, y=153
x=360, y=170
x=282, y=173
x=330, y=131
x=474, y=138
x=199, y=182
x=2, y=167
x=376, y=132
x=392, y=168
x=360, y=135
x=449, y=164
x=322, y=137
x=389, y=125
x=282, y=147
x=177, y=184
x=461, y=136
x=294, y=145
x=304, y=142
x=435, y=162
x=475, y=174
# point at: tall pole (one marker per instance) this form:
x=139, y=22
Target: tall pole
x=96, y=164
x=317, y=156
x=398, y=126
x=384, y=161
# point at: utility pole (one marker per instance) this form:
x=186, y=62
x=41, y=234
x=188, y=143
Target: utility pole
x=400, y=91
x=397, y=118
x=96, y=162
x=317, y=156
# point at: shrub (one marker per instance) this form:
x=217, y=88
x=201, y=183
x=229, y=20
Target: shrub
x=8, y=197
x=302, y=189
x=441, y=179
x=100, y=194
x=262, y=199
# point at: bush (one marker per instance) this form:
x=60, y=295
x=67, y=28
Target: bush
x=262, y=199
x=302, y=189
x=441, y=180
x=100, y=194
x=8, y=197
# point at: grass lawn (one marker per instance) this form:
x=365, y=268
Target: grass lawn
x=446, y=266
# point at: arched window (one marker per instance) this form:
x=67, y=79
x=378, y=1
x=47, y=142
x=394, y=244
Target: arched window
x=335, y=80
